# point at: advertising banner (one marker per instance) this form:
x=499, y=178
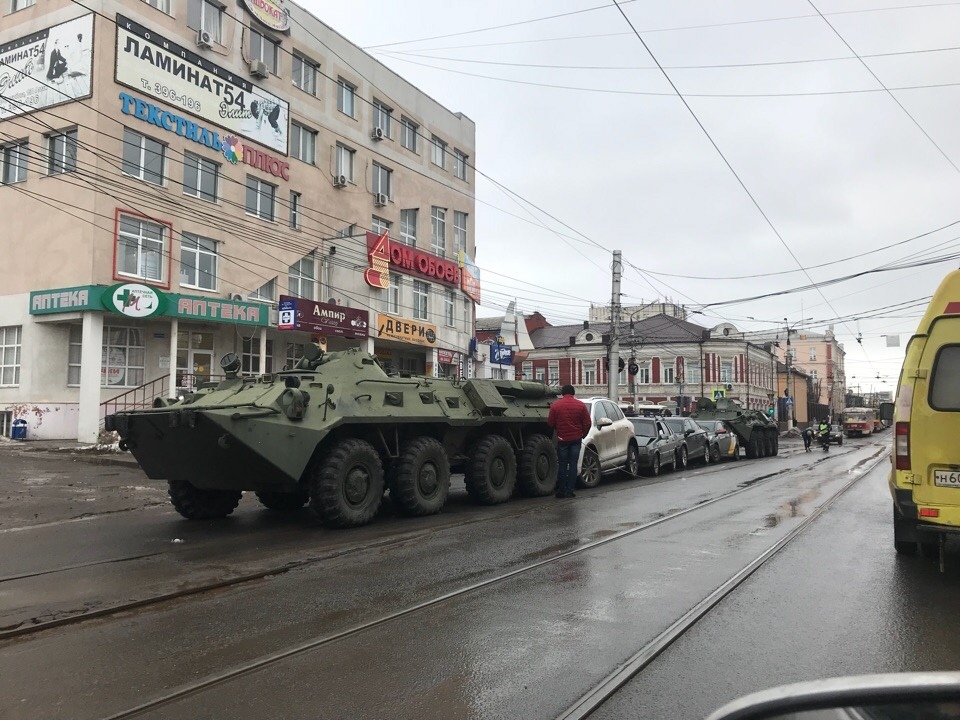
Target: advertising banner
x=49, y=67
x=325, y=318
x=166, y=71
x=271, y=13
x=406, y=259
x=407, y=331
x=470, y=282
x=71, y=299
x=501, y=354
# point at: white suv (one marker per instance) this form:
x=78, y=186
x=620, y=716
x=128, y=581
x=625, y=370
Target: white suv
x=609, y=445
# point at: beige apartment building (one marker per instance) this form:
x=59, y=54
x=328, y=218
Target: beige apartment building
x=821, y=358
x=181, y=179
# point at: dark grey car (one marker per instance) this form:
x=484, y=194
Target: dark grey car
x=657, y=444
x=694, y=440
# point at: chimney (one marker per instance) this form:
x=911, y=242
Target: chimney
x=586, y=324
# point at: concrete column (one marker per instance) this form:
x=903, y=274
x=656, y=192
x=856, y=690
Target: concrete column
x=91, y=351
x=263, y=350
x=367, y=345
x=172, y=382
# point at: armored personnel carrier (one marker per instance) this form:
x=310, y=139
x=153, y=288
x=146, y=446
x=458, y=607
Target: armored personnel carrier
x=756, y=432
x=337, y=431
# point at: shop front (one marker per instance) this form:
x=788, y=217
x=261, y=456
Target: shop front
x=405, y=345
x=127, y=344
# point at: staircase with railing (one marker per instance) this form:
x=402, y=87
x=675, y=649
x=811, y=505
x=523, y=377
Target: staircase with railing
x=137, y=398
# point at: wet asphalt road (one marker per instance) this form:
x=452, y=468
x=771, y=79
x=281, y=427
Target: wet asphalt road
x=522, y=646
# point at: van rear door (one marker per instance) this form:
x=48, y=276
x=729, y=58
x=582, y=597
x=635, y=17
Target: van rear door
x=935, y=416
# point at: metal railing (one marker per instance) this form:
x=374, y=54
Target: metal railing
x=136, y=398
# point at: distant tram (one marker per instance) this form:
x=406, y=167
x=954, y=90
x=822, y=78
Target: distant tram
x=859, y=421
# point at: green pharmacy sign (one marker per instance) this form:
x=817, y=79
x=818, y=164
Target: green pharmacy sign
x=134, y=300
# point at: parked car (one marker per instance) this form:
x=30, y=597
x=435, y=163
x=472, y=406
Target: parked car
x=694, y=440
x=721, y=439
x=609, y=445
x=836, y=434
x=656, y=443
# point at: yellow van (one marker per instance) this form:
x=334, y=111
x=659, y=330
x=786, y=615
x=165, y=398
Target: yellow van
x=925, y=477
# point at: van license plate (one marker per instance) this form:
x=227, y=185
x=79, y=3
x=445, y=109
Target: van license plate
x=946, y=478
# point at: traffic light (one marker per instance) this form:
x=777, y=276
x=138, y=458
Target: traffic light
x=620, y=364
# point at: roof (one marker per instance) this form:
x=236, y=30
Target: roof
x=657, y=329
x=489, y=323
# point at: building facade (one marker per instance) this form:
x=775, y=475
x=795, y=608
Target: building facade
x=182, y=179
x=821, y=357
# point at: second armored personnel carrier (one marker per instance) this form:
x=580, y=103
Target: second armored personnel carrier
x=756, y=432
x=338, y=431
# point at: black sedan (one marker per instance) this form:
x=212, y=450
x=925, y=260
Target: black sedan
x=658, y=446
x=693, y=440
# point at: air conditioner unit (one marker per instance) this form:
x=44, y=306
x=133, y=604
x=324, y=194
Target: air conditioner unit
x=204, y=39
x=258, y=68
x=380, y=199
x=236, y=297
x=274, y=316
x=339, y=180
x=377, y=133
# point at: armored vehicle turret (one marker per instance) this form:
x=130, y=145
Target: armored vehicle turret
x=337, y=431
x=756, y=432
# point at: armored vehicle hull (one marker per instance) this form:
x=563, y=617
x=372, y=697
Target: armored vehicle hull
x=338, y=432
x=757, y=433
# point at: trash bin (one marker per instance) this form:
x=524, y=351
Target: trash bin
x=19, y=430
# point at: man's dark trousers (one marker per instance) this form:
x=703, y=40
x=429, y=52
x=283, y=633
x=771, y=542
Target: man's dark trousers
x=568, y=453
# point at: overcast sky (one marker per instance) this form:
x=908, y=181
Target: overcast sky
x=616, y=156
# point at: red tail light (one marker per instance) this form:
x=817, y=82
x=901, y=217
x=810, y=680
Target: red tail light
x=902, y=445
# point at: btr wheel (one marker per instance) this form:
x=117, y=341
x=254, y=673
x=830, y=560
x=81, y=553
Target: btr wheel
x=197, y=504
x=752, y=446
x=682, y=458
x=776, y=442
x=347, y=484
x=633, y=460
x=537, y=467
x=283, y=502
x=491, y=474
x=715, y=453
x=420, y=479
x=589, y=469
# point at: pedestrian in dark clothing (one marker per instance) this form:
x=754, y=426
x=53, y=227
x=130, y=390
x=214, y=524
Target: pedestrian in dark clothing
x=570, y=419
x=807, y=438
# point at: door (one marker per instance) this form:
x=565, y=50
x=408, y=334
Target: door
x=623, y=431
x=603, y=437
x=935, y=416
x=201, y=361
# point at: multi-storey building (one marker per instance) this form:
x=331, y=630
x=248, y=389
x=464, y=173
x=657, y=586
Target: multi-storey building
x=174, y=172
x=821, y=357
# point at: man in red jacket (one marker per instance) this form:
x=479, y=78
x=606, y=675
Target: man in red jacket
x=571, y=420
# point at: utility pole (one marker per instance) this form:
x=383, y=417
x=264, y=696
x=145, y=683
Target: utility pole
x=613, y=354
x=789, y=403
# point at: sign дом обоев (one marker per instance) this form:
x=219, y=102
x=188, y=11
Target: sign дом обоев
x=162, y=69
x=46, y=68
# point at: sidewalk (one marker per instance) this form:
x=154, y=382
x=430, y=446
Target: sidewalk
x=100, y=454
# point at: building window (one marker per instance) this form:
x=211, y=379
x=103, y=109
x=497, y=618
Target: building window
x=421, y=296
x=449, y=308
x=62, y=152
x=553, y=372
x=21, y=4
x=726, y=372
x=122, y=357
x=250, y=357
x=74, y=353
x=408, y=133
x=10, y=355
x=459, y=165
x=143, y=157
x=294, y=210
x=438, y=229
x=438, y=151
x=408, y=226
x=814, y=376
x=267, y=291
x=813, y=354
x=305, y=74
x=260, y=198
x=303, y=143
x=378, y=225
x=205, y=15
x=459, y=231
x=499, y=373
x=348, y=231
x=590, y=376
x=540, y=375
x=381, y=180
x=392, y=304
x=643, y=376
x=345, y=161
x=382, y=116
x=692, y=373
x=198, y=262
x=294, y=353
x=15, y=162
x=140, y=248
x=302, y=281
x=264, y=49
x=668, y=375
x=201, y=177
x=161, y=5
x=527, y=370
x=346, y=96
